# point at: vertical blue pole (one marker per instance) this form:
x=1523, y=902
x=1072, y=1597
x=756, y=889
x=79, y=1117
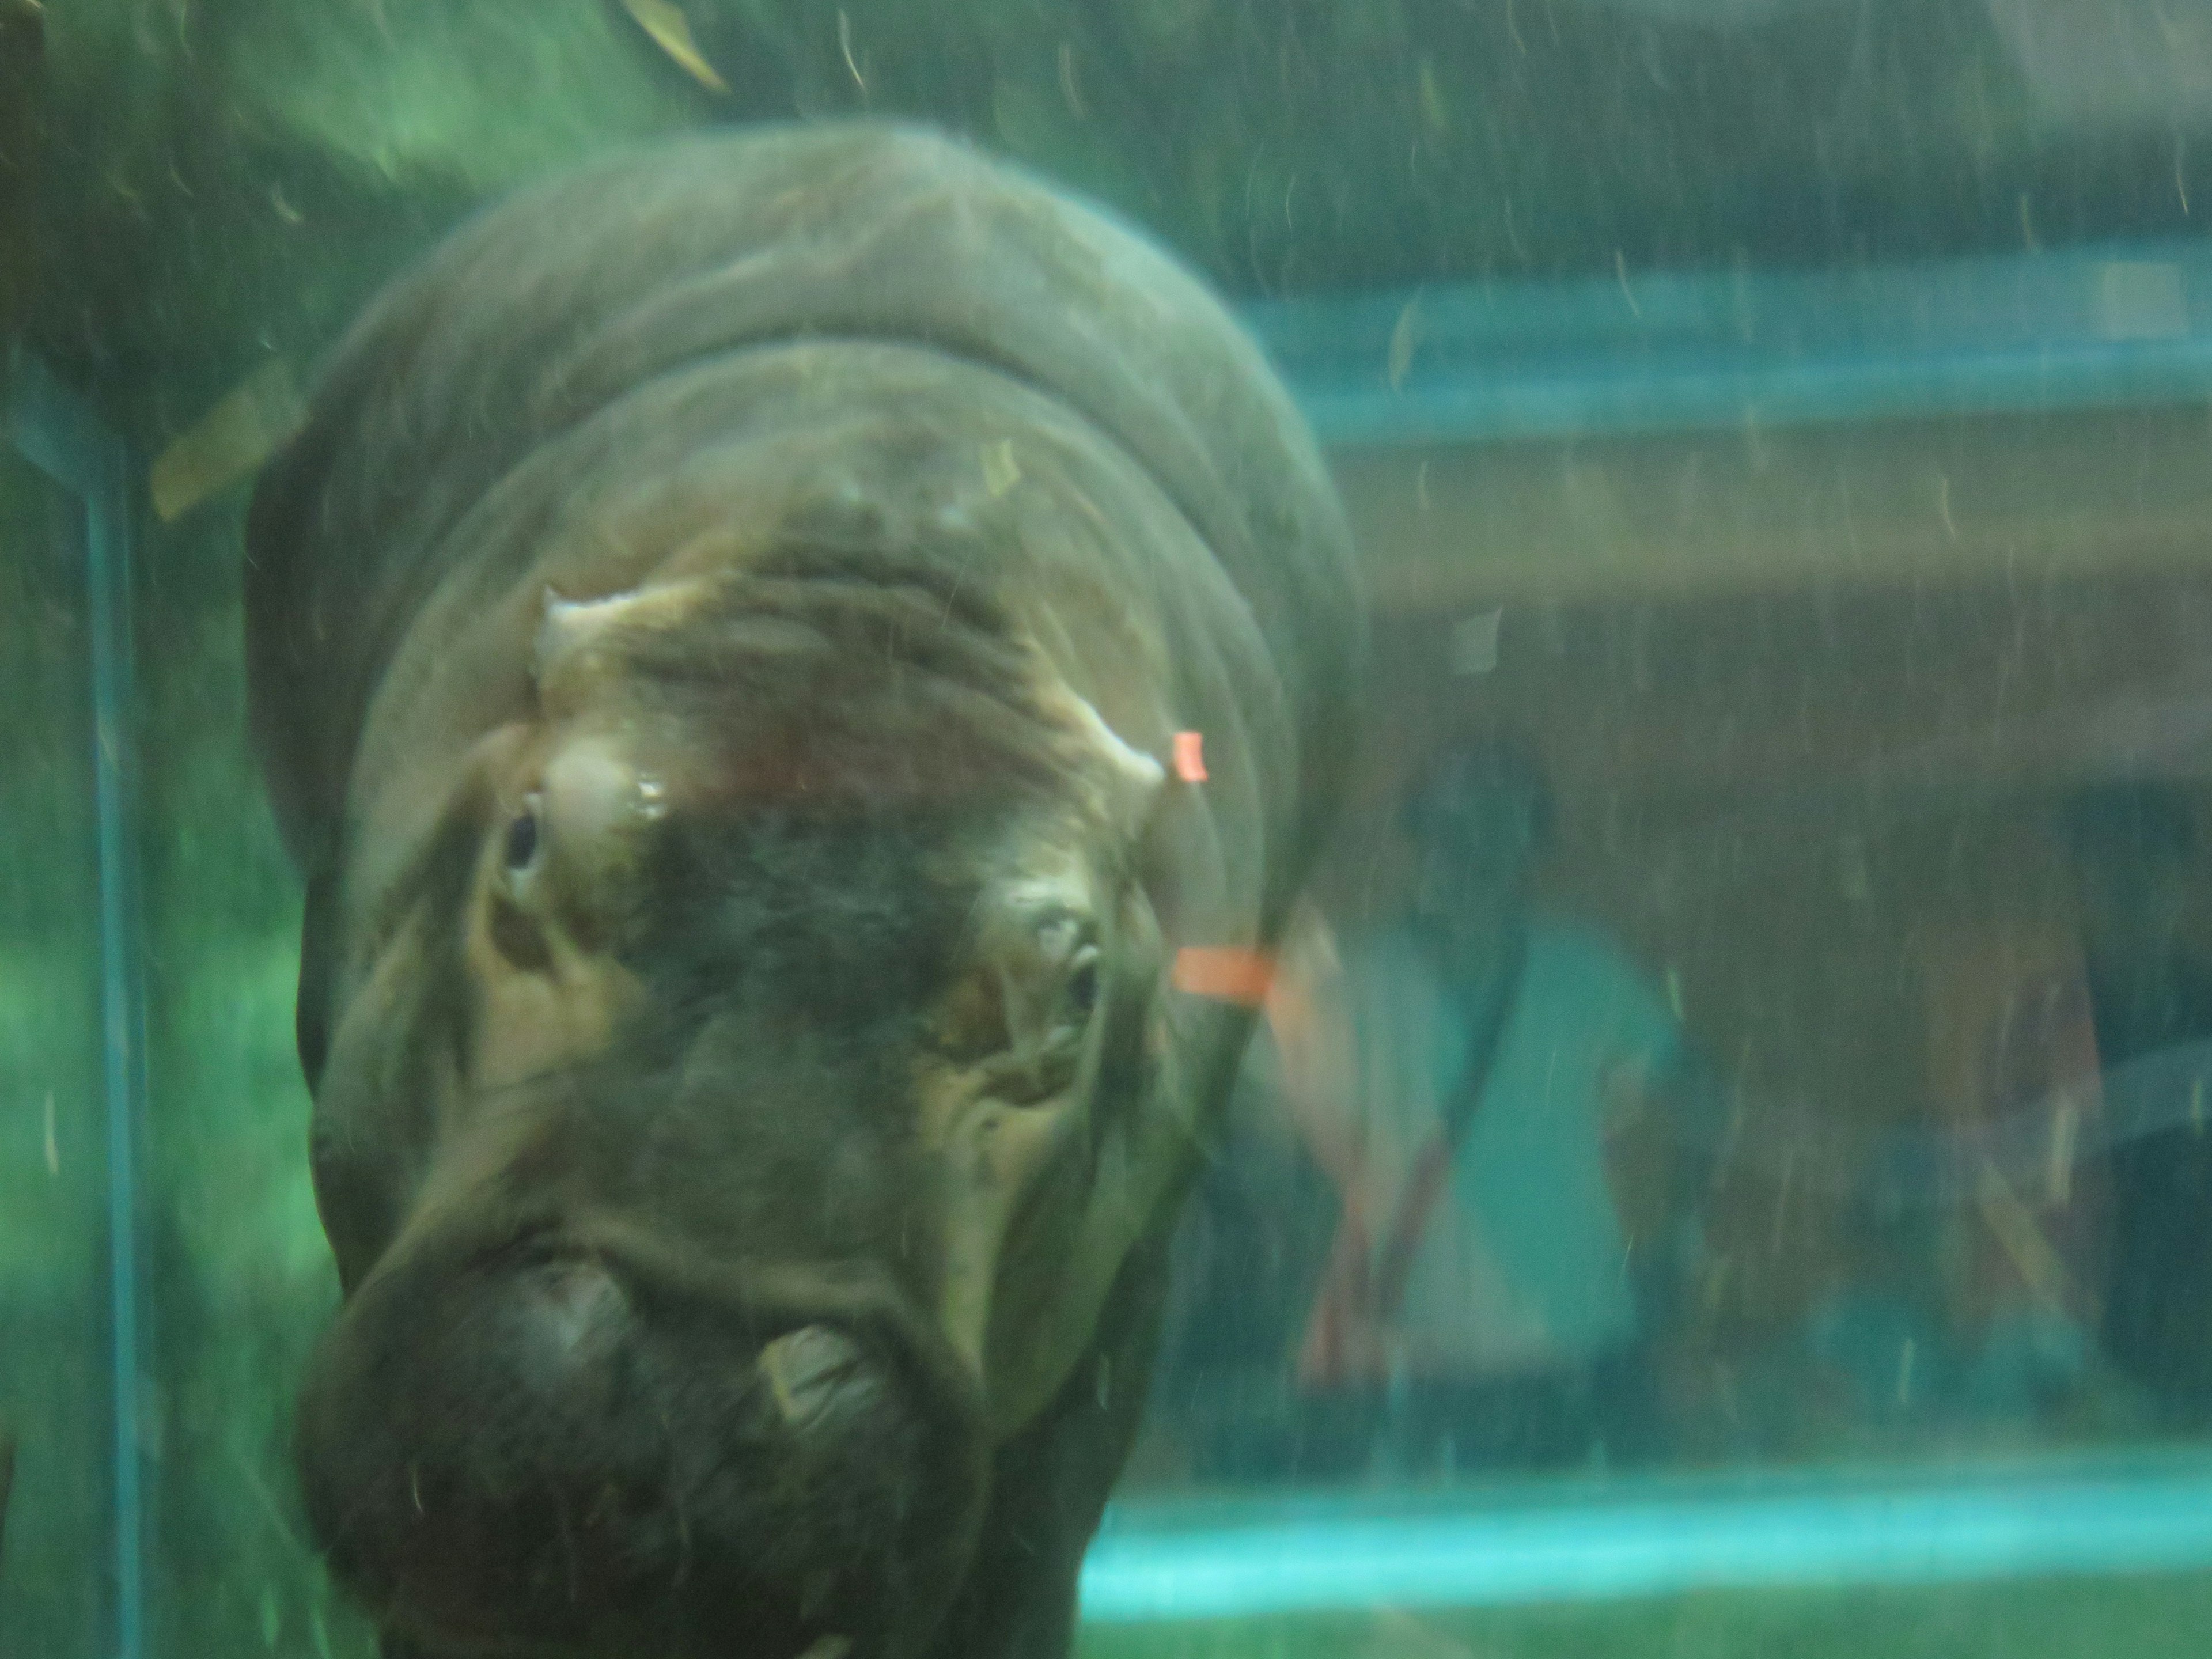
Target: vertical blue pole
x=60, y=435
x=107, y=577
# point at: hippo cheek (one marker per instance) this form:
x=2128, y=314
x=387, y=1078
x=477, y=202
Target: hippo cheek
x=1040, y=1217
x=541, y=1454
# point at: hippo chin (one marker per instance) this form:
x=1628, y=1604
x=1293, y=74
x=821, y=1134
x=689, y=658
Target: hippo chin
x=717, y=649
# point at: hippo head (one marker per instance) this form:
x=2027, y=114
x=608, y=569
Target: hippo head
x=750, y=1092
x=784, y=1011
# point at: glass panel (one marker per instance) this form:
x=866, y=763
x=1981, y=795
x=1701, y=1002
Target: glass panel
x=55, y=1397
x=1853, y=776
x=236, y=1262
x=1723, y=1167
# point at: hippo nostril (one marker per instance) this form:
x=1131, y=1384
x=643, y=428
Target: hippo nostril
x=572, y=1314
x=814, y=1371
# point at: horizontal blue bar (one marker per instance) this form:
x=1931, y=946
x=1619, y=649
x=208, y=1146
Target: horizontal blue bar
x=1321, y=1555
x=2092, y=328
x=1684, y=397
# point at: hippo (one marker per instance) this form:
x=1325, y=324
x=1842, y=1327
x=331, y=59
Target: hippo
x=767, y=651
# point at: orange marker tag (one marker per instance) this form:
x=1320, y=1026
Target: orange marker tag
x=1190, y=756
x=1227, y=973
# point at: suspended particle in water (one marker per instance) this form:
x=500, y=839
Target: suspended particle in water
x=1405, y=340
x=1475, y=642
x=845, y=47
x=228, y=443
x=667, y=28
x=1069, y=89
x=1002, y=471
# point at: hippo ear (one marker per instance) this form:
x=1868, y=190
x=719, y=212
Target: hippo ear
x=1125, y=781
x=574, y=633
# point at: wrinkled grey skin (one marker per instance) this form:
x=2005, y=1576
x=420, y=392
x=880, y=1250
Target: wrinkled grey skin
x=716, y=649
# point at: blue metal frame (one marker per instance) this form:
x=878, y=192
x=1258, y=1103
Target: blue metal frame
x=2084, y=328
x=60, y=435
x=1587, y=1541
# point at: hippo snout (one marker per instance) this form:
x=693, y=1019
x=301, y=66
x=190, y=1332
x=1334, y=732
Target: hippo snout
x=554, y=1449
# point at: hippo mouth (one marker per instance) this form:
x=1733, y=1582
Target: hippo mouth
x=573, y=1446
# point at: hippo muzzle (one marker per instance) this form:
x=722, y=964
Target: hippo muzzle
x=564, y=1444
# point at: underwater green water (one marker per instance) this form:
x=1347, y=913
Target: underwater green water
x=223, y=184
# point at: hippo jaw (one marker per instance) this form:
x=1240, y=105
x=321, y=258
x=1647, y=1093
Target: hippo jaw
x=697, y=1264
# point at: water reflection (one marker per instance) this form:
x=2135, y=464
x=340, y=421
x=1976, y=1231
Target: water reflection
x=2138, y=864
x=1480, y=1205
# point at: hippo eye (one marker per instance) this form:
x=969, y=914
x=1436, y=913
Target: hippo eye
x=521, y=850
x=1082, y=992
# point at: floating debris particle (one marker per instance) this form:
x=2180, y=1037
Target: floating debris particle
x=1782, y=1199
x=663, y=22
x=227, y=442
x=845, y=46
x=1069, y=89
x=1002, y=471
x=2058, y=1173
x=1436, y=118
x=1405, y=339
x=1475, y=642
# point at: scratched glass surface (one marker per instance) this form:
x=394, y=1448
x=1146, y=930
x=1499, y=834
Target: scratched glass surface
x=1723, y=1165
